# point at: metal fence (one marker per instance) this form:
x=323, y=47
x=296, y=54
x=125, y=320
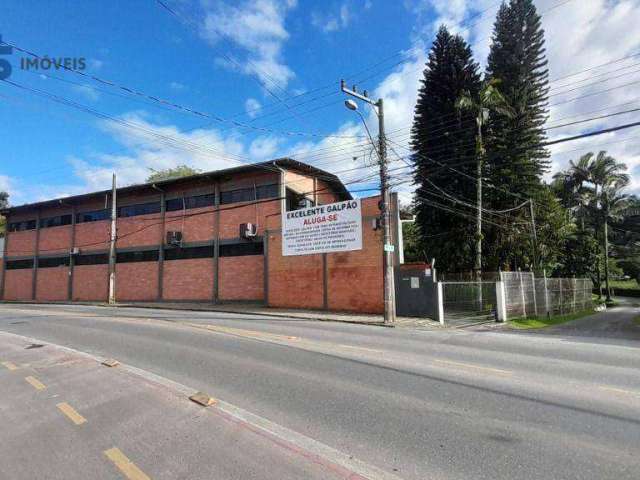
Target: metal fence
x=528, y=296
x=468, y=302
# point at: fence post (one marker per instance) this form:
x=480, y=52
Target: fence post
x=524, y=306
x=574, y=294
x=439, y=303
x=561, y=301
x=546, y=294
x=501, y=302
x=535, y=297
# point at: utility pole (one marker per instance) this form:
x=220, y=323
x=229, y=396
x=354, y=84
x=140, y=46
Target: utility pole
x=385, y=204
x=535, y=236
x=112, y=244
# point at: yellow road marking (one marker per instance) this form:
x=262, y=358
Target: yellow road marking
x=126, y=466
x=70, y=412
x=475, y=367
x=37, y=384
x=10, y=366
x=620, y=390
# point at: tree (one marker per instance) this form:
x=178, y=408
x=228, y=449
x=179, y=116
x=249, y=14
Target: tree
x=443, y=135
x=611, y=204
x=489, y=99
x=169, y=173
x=4, y=203
x=516, y=158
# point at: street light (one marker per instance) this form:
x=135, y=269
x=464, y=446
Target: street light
x=381, y=151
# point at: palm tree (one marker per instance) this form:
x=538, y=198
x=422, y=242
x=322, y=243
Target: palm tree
x=609, y=179
x=489, y=99
x=612, y=204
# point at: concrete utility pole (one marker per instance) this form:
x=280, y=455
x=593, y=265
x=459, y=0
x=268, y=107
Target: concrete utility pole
x=388, y=247
x=535, y=236
x=112, y=244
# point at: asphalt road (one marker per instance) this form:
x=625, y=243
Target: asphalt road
x=418, y=404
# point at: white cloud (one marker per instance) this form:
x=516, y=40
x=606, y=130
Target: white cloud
x=176, y=86
x=87, y=92
x=258, y=28
x=264, y=148
x=95, y=64
x=252, y=107
x=333, y=21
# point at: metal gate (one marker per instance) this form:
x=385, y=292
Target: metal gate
x=466, y=303
x=416, y=294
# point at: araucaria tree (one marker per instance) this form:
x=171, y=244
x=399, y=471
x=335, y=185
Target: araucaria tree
x=515, y=155
x=444, y=136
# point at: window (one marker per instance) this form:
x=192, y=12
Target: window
x=197, y=201
x=55, y=221
x=297, y=201
x=53, y=262
x=268, y=191
x=139, y=209
x=188, y=252
x=94, y=216
x=24, y=225
x=138, y=256
x=92, y=259
x=249, y=194
x=19, y=264
x=241, y=249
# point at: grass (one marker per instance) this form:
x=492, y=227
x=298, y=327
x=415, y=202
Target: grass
x=637, y=320
x=542, y=322
x=631, y=284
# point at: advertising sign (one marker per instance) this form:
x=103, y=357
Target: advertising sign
x=334, y=227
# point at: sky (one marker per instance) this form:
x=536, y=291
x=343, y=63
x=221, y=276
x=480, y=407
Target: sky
x=219, y=83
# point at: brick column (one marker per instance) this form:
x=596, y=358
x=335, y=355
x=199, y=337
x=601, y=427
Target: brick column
x=163, y=210
x=34, y=276
x=72, y=258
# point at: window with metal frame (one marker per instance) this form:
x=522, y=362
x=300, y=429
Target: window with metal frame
x=21, y=226
x=137, y=256
x=188, y=253
x=52, y=262
x=197, y=201
x=92, y=259
x=19, y=264
x=56, y=221
x=94, y=216
x=249, y=194
x=241, y=249
x=139, y=209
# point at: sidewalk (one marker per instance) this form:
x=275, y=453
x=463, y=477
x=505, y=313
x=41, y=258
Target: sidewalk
x=261, y=310
x=67, y=416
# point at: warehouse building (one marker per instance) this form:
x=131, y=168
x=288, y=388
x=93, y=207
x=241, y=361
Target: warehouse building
x=211, y=237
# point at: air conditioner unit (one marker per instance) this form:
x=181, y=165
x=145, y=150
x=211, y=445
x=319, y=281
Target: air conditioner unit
x=174, y=238
x=248, y=230
x=74, y=251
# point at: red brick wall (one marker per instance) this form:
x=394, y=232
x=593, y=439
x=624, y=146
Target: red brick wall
x=55, y=239
x=188, y=279
x=52, y=283
x=137, y=281
x=91, y=283
x=230, y=219
x=92, y=235
x=294, y=282
x=17, y=284
x=354, y=278
x=241, y=278
x=21, y=243
x=194, y=228
x=138, y=231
